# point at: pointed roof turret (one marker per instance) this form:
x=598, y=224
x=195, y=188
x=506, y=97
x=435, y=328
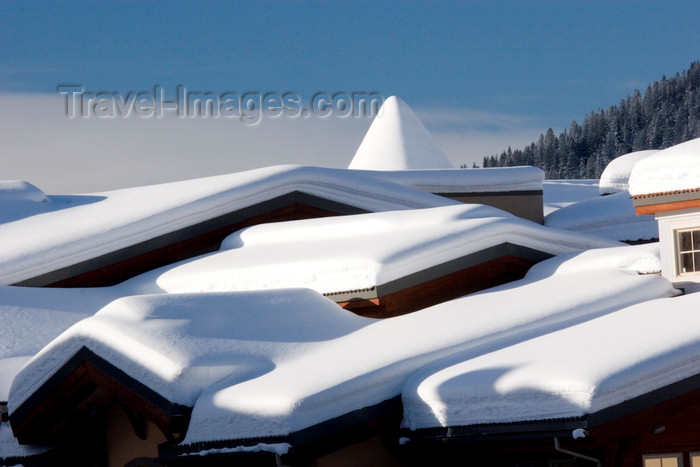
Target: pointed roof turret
x=398, y=140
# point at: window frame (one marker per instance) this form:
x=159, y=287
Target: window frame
x=679, y=252
x=678, y=456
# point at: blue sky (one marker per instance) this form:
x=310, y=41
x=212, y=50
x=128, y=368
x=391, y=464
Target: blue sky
x=500, y=70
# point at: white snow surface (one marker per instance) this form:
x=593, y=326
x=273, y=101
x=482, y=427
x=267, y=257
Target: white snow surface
x=277, y=448
x=18, y=190
x=398, y=140
x=570, y=373
x=273, y=362
x=10, y=448
x=612, y=216
x=33, y=317
x=674, y=169
x=181, y=343
x=557, y=194
x=373, y=363
x=616, y=175
x=338, y=254
x=19, y=199
x=71, y=229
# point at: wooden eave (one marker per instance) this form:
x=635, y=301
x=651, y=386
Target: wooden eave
x=492, y=266
x=668, y=201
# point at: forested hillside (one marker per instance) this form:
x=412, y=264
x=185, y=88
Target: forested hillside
x=666, y=114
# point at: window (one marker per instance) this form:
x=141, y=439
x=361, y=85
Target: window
x=688, y=251
x=663, y=460
x=695, y=459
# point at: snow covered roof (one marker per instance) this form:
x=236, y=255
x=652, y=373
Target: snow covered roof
x=557, y=194
x=672, y=170
x=180, y=344
x=33, y=317
x=611, y=217
x=616, y=175
x=271, y=363
x=364, y=251
x=398, y=140
x=17, y=190
x=571, y=373
x=65, y=230
x=283, y=361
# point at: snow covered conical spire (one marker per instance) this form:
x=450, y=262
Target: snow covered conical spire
x=398, y=140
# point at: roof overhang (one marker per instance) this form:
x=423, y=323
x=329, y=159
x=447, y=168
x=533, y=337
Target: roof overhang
x=471, y=273
x=640, y=415
x=664, y=202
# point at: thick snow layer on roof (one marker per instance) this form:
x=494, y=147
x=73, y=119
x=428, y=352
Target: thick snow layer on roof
x=570, y=373
x=273, y=362
x=611, y=216
x=674, y=169
x=77, y=228
x=492, y=179
x=616, y=175
x=557, y=194
x=397, y=140
x=17, y=190
x=372, y=364
x=33, y=317
x=179, y=344
x=19, y=199
x=356, y=252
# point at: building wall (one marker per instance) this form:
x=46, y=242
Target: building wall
x=368, y=453
x=527, y=205
x=122, y=444
x=669, y=222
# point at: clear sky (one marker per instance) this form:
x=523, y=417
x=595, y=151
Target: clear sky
x=482, y=75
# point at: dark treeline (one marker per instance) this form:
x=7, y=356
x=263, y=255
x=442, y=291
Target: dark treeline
x=667, y=114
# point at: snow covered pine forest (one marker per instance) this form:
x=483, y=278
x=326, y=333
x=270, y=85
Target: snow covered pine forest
x=668, y=113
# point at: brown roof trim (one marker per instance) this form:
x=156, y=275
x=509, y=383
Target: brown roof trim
x=471, y=273
x=440, y=270
x=665, y=193
x=666, y=207
x=668, y=201
x=37, y=420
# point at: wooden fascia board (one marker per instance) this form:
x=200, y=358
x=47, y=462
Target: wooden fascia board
x=665, y=207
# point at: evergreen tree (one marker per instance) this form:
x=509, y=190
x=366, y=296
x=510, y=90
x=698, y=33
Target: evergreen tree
x=668, y=113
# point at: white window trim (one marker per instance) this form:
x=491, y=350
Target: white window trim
x=677, y=252
x=668, y=226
